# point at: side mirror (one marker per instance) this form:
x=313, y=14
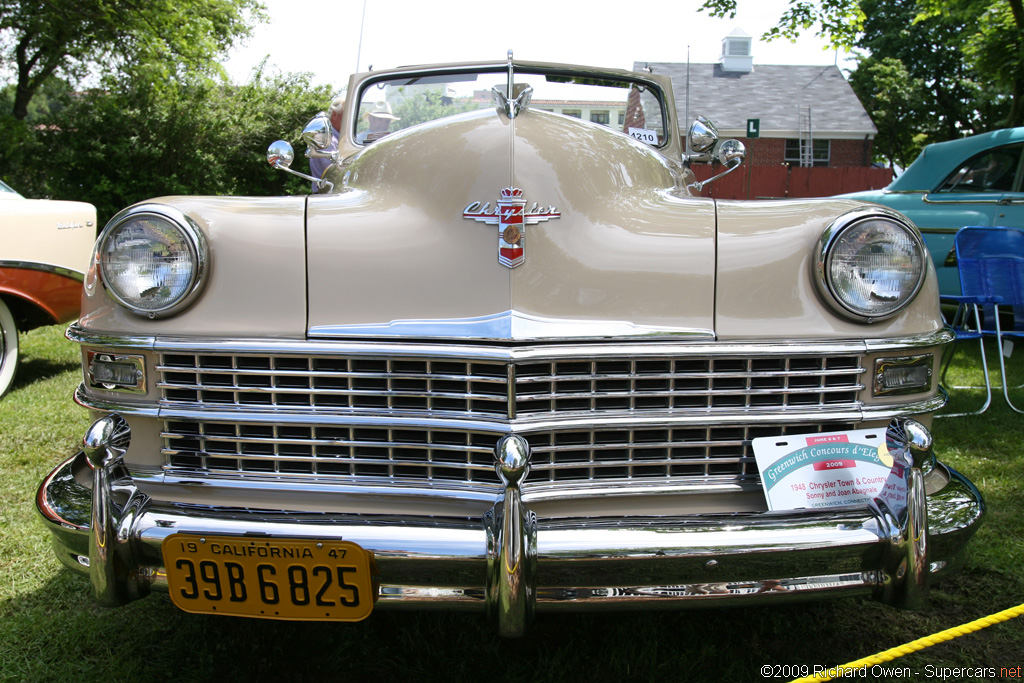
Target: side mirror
x=702, y=136
x=731, y=154
x=317, y=133
x=280, y=155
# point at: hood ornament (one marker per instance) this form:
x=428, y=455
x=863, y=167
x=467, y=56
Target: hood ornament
x=513, y=98
x=511, y=217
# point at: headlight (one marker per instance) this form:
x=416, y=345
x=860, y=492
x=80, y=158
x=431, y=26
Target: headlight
x=152, y=259
x=870, y=263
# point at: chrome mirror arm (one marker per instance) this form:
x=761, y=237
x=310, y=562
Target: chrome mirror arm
x=699, y=185
x=731, y=154
x=280, y=155
x=701, y=158
x=320, y=154
x=320, y=182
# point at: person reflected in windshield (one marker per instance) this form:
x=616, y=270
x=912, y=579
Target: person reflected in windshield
x=380, y=118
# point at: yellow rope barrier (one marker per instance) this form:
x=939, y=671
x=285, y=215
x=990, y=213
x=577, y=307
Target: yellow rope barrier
x=914, y=646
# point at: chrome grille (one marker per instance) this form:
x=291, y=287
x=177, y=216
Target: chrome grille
x=330, y=451
x=481, y=388
x=444, y=415
x=685, y=383
x=443, y=385
x=343, y=453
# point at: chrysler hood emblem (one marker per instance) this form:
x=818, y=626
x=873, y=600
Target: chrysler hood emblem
x=511, y=217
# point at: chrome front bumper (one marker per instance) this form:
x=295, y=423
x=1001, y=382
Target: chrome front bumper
x=510, y=562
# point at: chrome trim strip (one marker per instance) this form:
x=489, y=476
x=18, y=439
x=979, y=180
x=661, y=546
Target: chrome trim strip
x=925, y=198
x=939, y=231
x=83, y=399
x=688, y=486
x=941, y=336
x=695, y=594
x=81, y=335
x=545, y=396
x=44, y=268
x=417, y=489
x=646, y=348
x=483, y=492
x=498, y=425
x=511, y=325
x=887, y=412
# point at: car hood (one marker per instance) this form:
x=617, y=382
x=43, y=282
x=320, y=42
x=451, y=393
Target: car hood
x=392, y=254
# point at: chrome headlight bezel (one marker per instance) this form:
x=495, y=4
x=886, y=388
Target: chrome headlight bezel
x=194, y=242
x=841, y=228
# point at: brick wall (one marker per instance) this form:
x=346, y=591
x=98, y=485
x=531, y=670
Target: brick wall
x=772, y=152
x=765, y=151
x=850, y=153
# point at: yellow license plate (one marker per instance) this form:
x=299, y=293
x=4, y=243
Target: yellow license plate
x=276, y=578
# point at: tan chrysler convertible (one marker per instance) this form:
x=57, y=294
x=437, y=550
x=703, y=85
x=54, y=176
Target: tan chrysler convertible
x=506, y=358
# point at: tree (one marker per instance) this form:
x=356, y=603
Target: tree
x=897, y=102
x=837, y=21
x=996, y=47
x=40, y=39
x=127, y=142
x=983, y=39
x=916, y=95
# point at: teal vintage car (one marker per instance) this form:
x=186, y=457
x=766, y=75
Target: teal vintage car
x=976, y=180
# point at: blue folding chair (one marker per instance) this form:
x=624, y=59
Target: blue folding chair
x=991, y=264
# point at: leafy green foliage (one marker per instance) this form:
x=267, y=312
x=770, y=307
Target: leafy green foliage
x=117, y=146
x=158, y=39
x=896, y=102
x=837, y=21
x=415, y=105
x=430, y=106
x=917, y=96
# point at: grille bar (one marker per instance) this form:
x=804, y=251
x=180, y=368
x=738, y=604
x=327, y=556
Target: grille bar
x=508, y=389
x=382, y=454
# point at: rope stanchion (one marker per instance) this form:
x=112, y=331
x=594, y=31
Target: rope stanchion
x=914, y=646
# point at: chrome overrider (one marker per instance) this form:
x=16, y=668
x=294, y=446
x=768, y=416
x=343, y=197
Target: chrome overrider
x=511, y=562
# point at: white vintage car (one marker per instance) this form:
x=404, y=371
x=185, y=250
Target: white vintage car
x=507, y=359
x=44, y=252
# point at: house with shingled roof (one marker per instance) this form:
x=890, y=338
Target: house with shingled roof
x=807, y=115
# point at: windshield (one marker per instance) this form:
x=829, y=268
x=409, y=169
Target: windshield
x=631, y=107
x=4, y=187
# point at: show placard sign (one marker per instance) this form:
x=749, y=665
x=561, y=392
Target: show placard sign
x=828, y=470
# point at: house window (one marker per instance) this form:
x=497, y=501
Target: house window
x=622, y=118
x=575, y=113
x=820, y=153
x=600, y=117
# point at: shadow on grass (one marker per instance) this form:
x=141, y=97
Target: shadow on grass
x=64, y=636
x=32, y=370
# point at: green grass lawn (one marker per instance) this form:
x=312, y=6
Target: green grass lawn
x=50, y=629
